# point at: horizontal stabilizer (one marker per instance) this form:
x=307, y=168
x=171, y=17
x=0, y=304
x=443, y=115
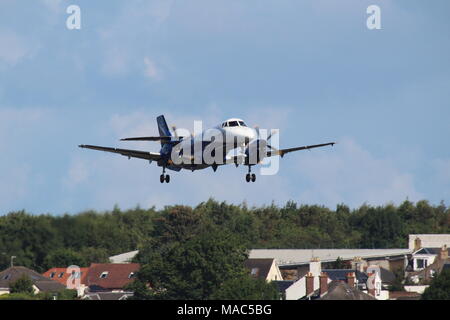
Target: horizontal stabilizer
x=162, y=138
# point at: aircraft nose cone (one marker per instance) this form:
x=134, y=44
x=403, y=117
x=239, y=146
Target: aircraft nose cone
x=252, y=134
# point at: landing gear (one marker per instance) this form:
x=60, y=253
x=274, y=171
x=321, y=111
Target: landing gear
x=164, y=177
x=250, y=176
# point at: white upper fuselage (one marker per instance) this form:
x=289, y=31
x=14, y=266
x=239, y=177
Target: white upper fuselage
x=233, y=133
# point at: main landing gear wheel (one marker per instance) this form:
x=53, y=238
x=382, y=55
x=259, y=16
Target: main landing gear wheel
x=250, y=176
x=164, y=177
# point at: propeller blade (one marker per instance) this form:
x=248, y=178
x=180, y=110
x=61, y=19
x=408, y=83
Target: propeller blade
x=257, y=131
x=174, y=128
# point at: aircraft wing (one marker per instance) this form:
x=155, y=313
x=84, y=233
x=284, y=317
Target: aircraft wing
x=282, y=152
x=155, y=156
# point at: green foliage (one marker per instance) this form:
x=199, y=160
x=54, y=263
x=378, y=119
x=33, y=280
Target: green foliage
x=22, y=285
x=44, y=241
x=246, y=288
x=439, y=288
x=398, y=283
x=63, y=258
x=339, y=264
x=193, y=269
x=18, y=296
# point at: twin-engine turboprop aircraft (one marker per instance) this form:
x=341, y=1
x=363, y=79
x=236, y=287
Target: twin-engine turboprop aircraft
x=208, y=149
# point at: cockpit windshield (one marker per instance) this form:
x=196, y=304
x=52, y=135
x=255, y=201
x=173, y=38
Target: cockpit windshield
x=234, y=123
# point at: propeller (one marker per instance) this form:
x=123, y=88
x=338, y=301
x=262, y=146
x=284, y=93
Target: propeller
x=267, y=139
x=174, y=129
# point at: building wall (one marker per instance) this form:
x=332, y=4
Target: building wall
x=418, y=289
x=297, y=290
x=274, y=273
x=429, y=240
x=4, y=291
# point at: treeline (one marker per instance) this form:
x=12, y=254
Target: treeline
x=44, y=241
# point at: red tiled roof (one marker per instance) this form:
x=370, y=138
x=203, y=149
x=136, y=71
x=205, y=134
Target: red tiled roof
x=60, y=275
x=118, y=275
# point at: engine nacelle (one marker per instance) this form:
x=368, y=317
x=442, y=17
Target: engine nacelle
x=255, y=152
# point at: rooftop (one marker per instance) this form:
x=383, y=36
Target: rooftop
x=287, y=257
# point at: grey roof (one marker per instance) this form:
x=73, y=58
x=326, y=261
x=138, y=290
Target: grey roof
x=338, y=290
x=12, y=274
x=260, y=266
x=431, y=251
x=341, y=274
x=282, y=285
x=108, y=296
x=286, y=257
x=386, y=276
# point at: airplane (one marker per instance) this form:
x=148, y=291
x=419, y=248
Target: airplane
x=236, y=133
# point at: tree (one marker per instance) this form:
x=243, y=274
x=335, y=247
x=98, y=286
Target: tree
x=64, y=258
x=246, y=287
x=22, y=285
x=194, y=269
x=339, y=264
x=439, y=288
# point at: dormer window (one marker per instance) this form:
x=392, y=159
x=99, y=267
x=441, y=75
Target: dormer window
x=131, y=275
x=61, y=275
x=52, y=275
x=7, y=277
x=104, y=275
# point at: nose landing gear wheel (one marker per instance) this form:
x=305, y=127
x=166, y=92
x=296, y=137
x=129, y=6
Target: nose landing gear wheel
x=167, y=178
x=253, y=177
x=161, y=178
x=247, y=177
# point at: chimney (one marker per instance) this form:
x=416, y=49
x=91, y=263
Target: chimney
x=351, y=279
x=371, y=287
x=315, y=266
x=309, y=283
x=443, y=255
x=417, y=244
x=323, y=283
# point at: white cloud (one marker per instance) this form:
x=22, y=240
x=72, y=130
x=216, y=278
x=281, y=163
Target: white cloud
x=78, y=172
x=352, y=175
x=116, y=62
x=151, y=71
x=13, y=48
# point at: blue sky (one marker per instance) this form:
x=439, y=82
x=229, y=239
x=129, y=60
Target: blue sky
x=310, y=68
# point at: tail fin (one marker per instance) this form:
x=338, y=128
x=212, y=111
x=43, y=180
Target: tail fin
x=163, y=128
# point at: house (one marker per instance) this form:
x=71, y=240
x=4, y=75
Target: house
x=423, y=257
x=110, y=277
x=100, y=281
x=439, y=260
x=62, y=276
x=40, y=283
x=338, y=290
x=417, y=241
x=263, y=269
x=294, y=263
